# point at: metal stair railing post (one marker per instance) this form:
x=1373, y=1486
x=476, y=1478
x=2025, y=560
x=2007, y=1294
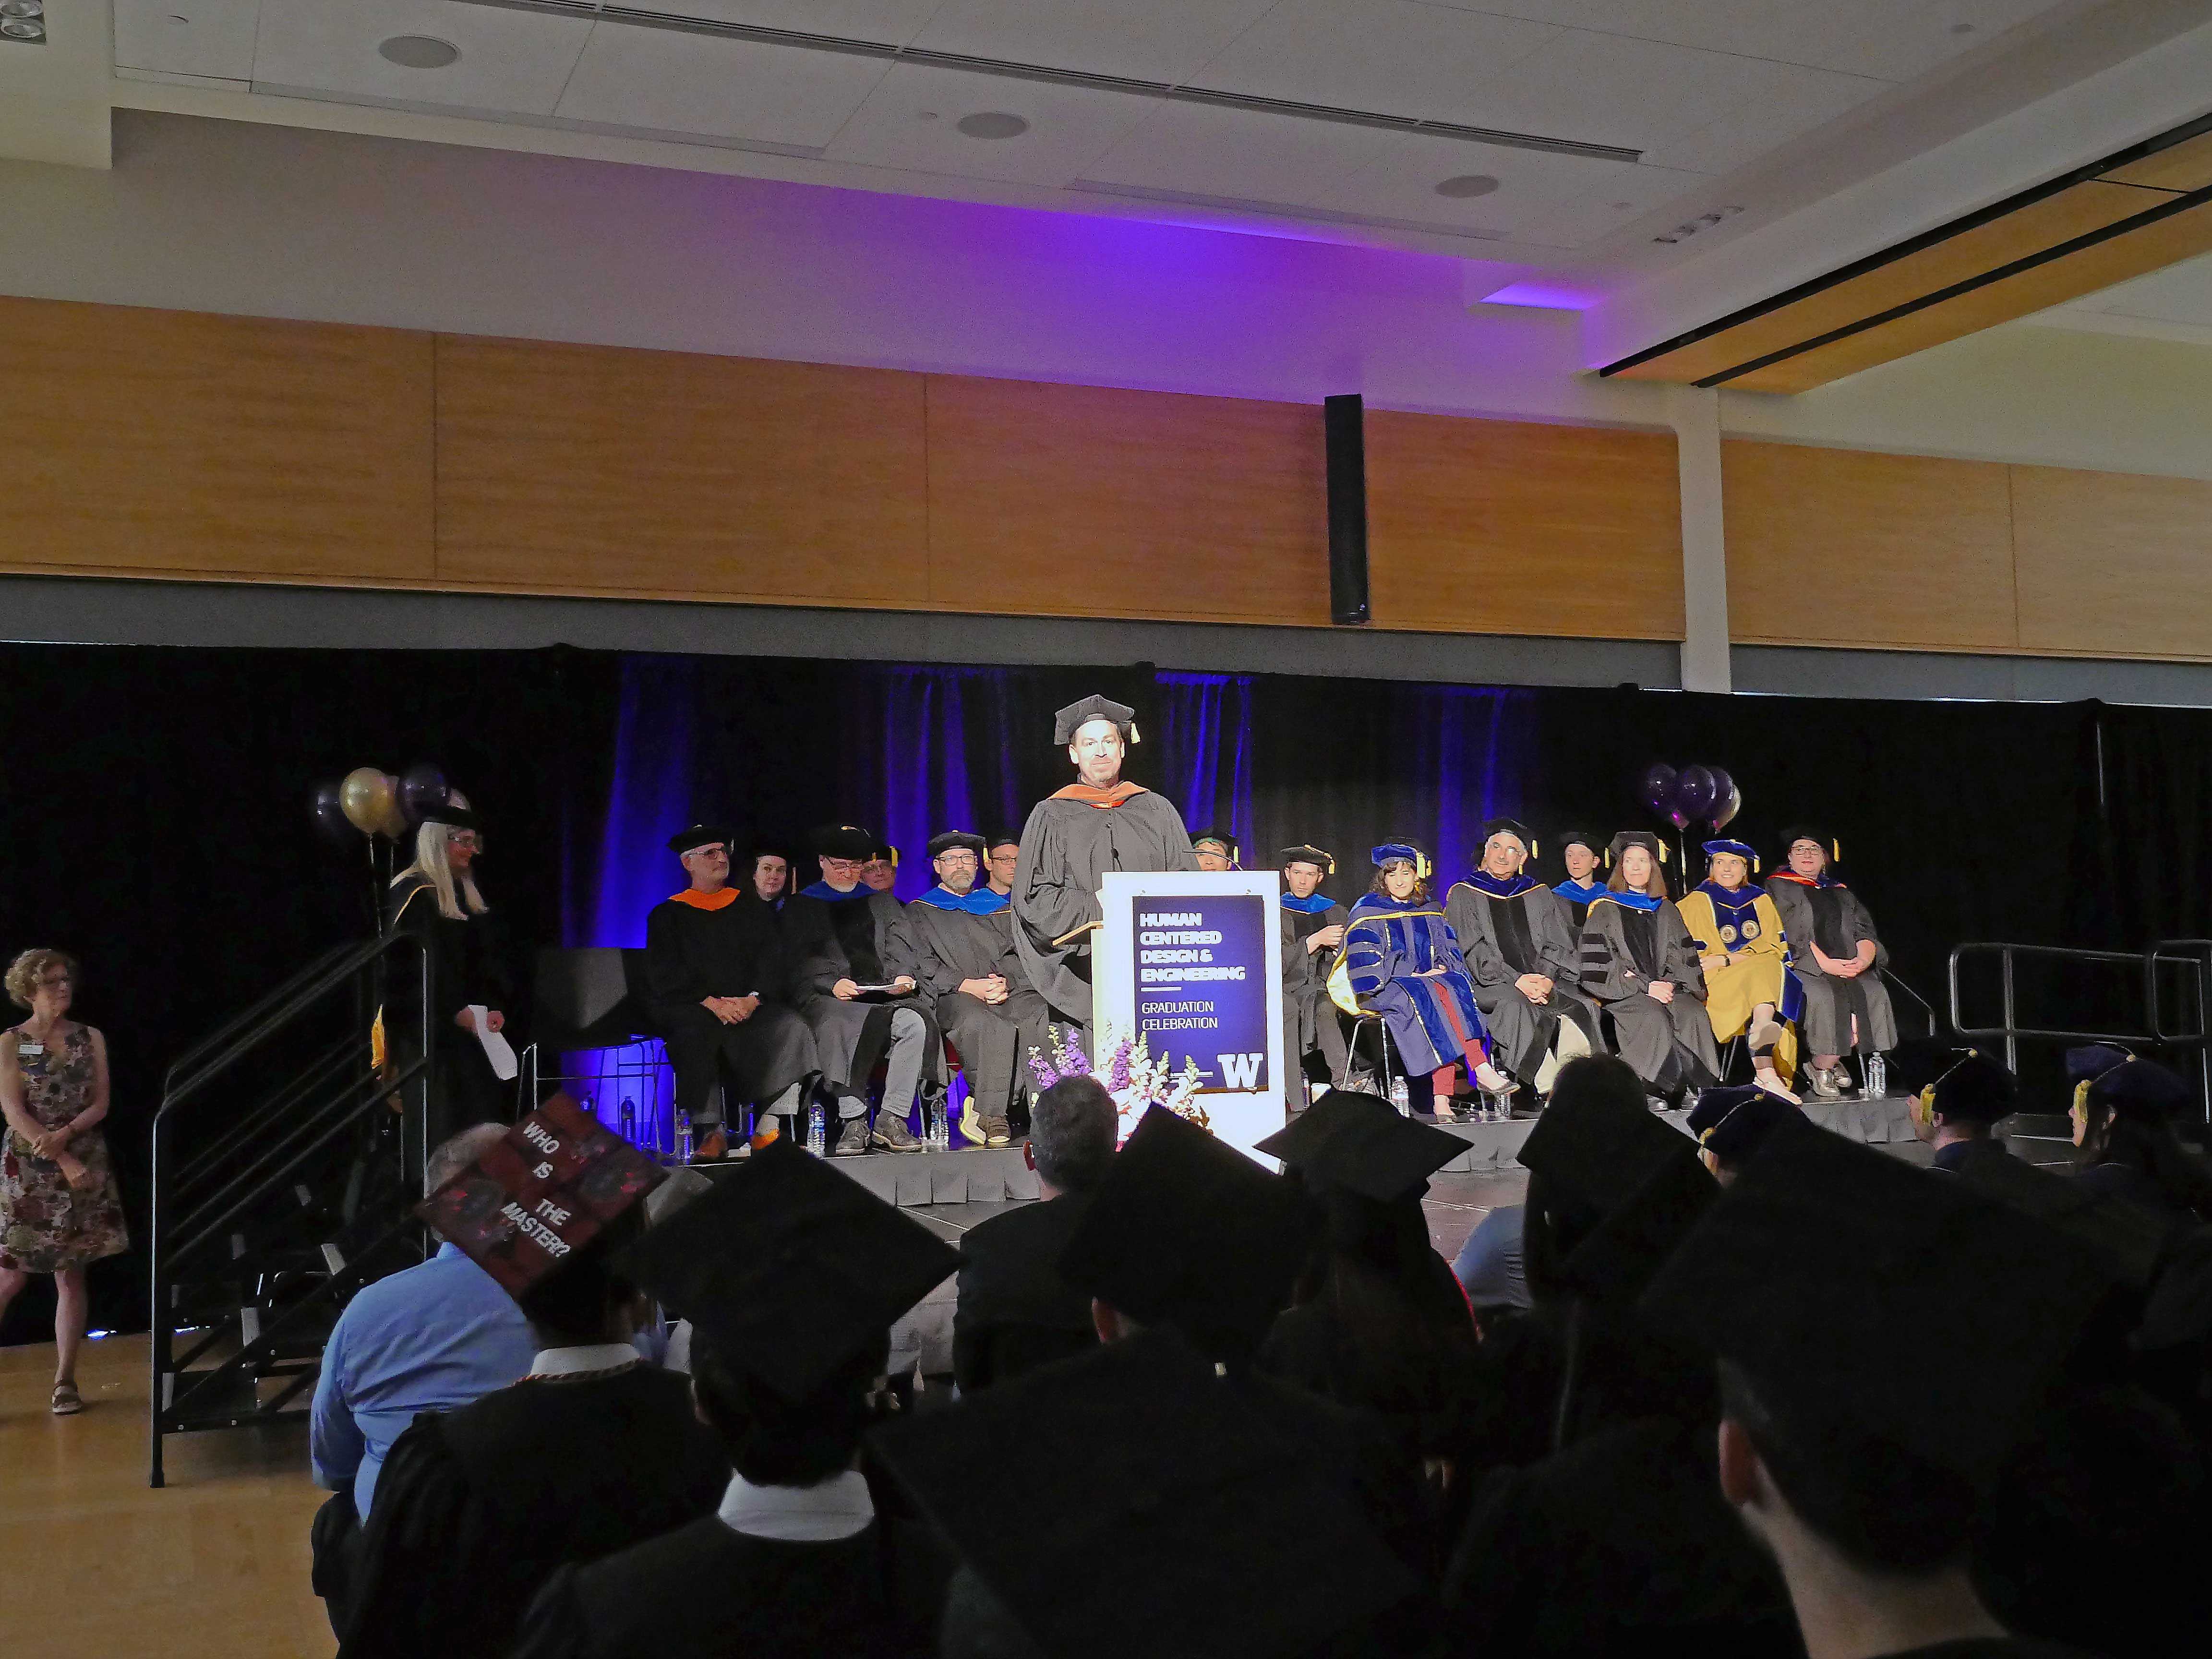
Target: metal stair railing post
x=2197, y=953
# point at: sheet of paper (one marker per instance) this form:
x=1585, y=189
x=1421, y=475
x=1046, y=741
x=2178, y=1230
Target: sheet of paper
x=497, y=1049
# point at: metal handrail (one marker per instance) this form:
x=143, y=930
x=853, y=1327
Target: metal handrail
x=268, y=1017
x=224, y=1032
x=2197, y=955
x=1889, y=977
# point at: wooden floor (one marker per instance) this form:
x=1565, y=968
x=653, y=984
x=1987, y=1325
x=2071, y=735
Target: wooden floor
x=97, y=1566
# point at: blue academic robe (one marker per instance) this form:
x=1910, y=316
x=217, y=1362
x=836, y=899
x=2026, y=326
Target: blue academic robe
x=1434, y=1021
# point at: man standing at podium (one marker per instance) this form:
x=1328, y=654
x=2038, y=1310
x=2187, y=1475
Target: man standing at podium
x=1099, y=823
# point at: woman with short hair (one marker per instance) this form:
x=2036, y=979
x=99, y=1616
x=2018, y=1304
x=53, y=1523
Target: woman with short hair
x=59, y=1208
x=1837, y=957
x=1641, y=963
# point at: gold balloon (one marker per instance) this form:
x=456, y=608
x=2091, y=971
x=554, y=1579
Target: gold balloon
x=392, y=820
x=358, y=797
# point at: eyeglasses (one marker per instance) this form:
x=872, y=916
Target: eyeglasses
x=844, y=864
x=468, y=840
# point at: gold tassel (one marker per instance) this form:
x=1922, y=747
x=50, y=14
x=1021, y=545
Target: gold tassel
x=1532, y=852
x=1133, y=738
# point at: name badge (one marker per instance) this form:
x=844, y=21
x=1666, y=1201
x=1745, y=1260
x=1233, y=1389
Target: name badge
x=30, y=1050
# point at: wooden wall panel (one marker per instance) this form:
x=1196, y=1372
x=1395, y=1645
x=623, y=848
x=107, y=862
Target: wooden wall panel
x=2113, y=564
x=599, y=470
x=167, y=442
x=1507, y=527
x=1080, y=501
x=1840, y=547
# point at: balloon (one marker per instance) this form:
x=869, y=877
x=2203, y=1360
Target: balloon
x=391, y=818
x=1675, y=816
x=1657, y=788
x=330, y=816
x=422, y=792
x=361, y=798
x=1695, y=793
x=1731, y=804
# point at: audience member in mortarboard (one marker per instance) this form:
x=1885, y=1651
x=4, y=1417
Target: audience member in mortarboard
x=2127, y=1148
x=1135, y=1501
x=1214, y=849
x=1522, y=956
x=964, y=956
x=1732, y=1123
x=1001, y=853
x=1837, y=957
x=1639, y=960
x=1099, y=823
x=1617, y=1541
x=435, y=899
x=1955, y=1110
x=771, y=875
x=715, y=985
x=1739, y=945
x=791, y=1277
x=854, y=974
x=2085, y=1064
x=1583, y=854
x=1313, y=932
x=880, y=871
x=1014, y=1311
x=593, y=1451
x=1402, y=962
x=1886, y=1339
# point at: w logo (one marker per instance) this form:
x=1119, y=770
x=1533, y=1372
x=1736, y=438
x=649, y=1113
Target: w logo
x=1240, y=1071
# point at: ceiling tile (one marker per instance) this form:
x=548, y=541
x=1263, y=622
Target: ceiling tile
x=1205, y=151
x=1393, y=56
x=1142, y=39
x=1800, y=100
x=670, y=81
x=187, y=37
x=1620, y=201
x=1903, y=39
x=911, y=120
x=1401, y=184
x=510, y=61
x=892, y=21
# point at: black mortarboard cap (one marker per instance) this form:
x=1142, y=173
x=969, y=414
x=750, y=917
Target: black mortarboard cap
x=1732, y=1123
x=1644, y=838
x=2140, y=1089
x=1226, y=841
x=1359, y=1142
x=1303, y=854
x=844, y=840
x=1186, y=1230
x=1977, y=1089
x=459, y=817
x=1917, y=1062
x=1512, y=827
x=1132, y=1501
x=2093, y=1059
x=940, y=845
x=1797, y=832
x=789, y=1268
x=1637, y=1173
x=1076, y=715
x=692, y=835
x=1855, y=1289
x=998, y=838
x=1589, y=839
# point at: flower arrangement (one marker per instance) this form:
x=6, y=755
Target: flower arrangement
x=1134, y=1079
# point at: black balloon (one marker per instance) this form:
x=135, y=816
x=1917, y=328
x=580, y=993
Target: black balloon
x=329, y=813
x=1729, y=802
x=1657, y=790
x=422, y=792
x=1696, y=793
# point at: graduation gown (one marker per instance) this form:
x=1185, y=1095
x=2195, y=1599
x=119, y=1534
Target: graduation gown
x=1626, y=946
x=732, y=950
x=1745, y=924
x=475, y=1508
x=1388, y=951
x=1578, y=898
x=1310, y=1016
x=1507, y=929
x=958, y=936
x=468, y=964
x=1825, y=912
x=1066, y=845
x=861, y=936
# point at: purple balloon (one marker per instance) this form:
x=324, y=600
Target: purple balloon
x=1695, y=793
x=330, y=816
x=1721, y=784
x=1657, y=788
x=1678, y=818
x=1731, y=804
x=422, y=792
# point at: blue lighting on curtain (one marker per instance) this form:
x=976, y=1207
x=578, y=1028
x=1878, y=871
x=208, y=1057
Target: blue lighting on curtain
x=1466, y=745
x=648, y=798
x=924, y=780
x=1205, y=740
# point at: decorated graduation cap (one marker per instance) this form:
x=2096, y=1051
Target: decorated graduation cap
x=1732, y=1123
x=692, y=837
x=940, y=845
x=788, y=1269
x=540, y=1194
x=1628, y=838
x=1226, y=1512
x=1076, y=715
x=1403, y=852
x=1325, y=862
x=1828, y=843
x=1187, y=1231
x=844, y=840
x=1220, y=840
x=1513, y=827
x=2142, y=1089
x=1359, y=1142
x=1865, y=1301
x=1740, y=849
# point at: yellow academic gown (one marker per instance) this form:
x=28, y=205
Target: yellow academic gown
x=1746, y=925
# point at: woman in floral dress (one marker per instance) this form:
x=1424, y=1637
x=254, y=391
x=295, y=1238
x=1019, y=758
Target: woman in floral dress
x=58, y=1206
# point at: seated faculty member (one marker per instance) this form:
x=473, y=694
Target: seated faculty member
x=1001, y=853
x=715, y=985
x=790, y=1277
x=771, y=877
x=594, y=1450
x=1015, y=1312
x=1640, y=961
x=1523, y=958
x=1100, y=822
x=1313, y=935
x=1214, y=849
x=881, y=870
x=1739, y=934
x=1582, y=854
x=964, y=959
x=853, y=974
x=1837, y=957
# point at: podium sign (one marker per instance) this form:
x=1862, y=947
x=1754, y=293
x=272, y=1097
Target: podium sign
x=1191, y=962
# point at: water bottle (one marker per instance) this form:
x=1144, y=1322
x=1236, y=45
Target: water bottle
x=1400, y=1096
x=817, y=1133
x=1877, y=1077
x=629, y=1120
x=684, y=1137
x=940, y=1131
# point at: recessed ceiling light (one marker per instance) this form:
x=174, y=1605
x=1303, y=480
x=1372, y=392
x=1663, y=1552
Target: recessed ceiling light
x=423, y=52
x=24, y=8
x=23, y=21
x=992, y=123
x=1468, y=184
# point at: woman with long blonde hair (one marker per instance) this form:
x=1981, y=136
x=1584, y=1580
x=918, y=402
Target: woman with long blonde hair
x=436, y=899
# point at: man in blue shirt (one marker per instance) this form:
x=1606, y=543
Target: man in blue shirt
x=428, y=1339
